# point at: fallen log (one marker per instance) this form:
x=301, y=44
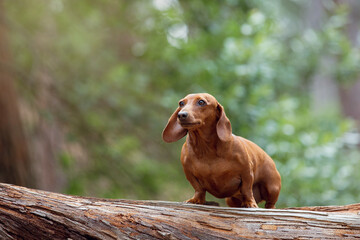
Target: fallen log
x=32, y=214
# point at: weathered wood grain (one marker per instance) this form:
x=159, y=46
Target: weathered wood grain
x=32, y=214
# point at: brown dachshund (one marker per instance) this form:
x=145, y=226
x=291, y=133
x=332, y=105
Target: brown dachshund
x=215, y=160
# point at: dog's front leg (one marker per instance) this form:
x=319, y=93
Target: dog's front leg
x=199, y=196
x=246, y=191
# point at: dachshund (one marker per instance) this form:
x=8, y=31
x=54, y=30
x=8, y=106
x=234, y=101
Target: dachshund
x=216, y=161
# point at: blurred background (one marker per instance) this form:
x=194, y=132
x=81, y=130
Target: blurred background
x=86, y=88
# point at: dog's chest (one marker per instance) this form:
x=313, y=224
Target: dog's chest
x=217, y=176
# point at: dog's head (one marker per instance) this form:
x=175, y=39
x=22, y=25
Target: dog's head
x=197, y=112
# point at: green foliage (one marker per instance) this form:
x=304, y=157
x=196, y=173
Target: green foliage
x=119, y=68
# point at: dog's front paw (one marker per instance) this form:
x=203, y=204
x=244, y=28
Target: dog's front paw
x=195, y=201
x=249, y=204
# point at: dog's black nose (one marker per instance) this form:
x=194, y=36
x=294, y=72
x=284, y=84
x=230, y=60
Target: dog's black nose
x=182, y=115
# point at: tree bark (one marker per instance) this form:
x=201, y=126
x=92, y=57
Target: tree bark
x=32, y=214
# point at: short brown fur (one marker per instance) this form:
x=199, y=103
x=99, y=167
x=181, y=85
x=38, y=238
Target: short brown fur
x=218, y=162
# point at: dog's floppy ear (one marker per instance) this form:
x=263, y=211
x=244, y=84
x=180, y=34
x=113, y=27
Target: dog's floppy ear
x=223, y=126
x=173, y=131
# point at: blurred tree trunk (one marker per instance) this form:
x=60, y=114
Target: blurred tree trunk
x=326, y=91
x=14, y=156
x=39, y=104
x=350, y=95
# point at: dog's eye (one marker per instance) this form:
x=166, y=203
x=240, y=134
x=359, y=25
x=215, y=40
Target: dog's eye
x=201, y=103
x=181, y=103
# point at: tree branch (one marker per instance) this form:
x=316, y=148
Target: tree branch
x=32, y=214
